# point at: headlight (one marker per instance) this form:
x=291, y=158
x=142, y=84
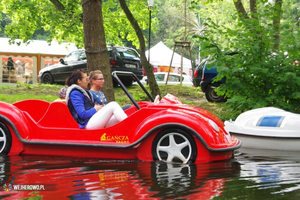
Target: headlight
x=214, y=125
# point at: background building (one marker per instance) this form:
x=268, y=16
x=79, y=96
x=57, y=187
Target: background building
x=28, y=59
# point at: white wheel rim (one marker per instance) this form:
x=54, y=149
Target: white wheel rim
x=174, y=149
x=2, y=140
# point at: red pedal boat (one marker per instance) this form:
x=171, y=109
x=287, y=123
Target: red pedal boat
x=165, y=130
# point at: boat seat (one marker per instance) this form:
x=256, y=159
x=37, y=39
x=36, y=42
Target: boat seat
x=58, y=115
x=34, y=107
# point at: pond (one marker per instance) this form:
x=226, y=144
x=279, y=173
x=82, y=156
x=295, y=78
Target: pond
x=249, y=175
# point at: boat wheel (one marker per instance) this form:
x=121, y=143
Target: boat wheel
x=174, y=145
x=5, y=139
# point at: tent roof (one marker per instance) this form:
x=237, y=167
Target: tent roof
x=37, y=46
x=160, y=54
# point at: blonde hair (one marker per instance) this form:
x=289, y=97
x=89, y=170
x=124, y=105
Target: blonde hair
x=93, y=75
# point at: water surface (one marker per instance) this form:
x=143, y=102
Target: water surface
x=249, y=175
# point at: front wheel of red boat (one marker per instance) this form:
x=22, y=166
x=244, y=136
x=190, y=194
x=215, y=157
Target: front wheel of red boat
x=174, y=145
x=5, y=139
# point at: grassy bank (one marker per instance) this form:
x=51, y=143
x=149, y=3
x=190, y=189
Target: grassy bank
x=188, y=95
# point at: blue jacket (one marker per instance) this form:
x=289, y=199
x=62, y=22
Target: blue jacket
x=81, y=105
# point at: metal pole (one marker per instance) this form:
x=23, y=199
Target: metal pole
x=181, y=67
x=170, y=64
x=149, y=36
x=184, y=21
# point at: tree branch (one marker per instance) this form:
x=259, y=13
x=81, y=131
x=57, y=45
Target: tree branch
x=276, y=22
x=253, y=9
x=62, y=8
x=58, y=5
x=240, y=8
x=147, y=67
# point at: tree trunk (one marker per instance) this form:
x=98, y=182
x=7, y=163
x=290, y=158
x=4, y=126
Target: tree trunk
x=147, y=67
x=276, y=23
x=95, y=43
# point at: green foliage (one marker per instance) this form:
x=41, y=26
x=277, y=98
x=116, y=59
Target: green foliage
x=22, y=91
x=64, y=24
x=20, y=97
x=4, y=20
x=117, y=26
x=256, y=74
x=172, y=21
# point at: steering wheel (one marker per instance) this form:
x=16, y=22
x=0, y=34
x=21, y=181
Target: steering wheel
x=156, y=100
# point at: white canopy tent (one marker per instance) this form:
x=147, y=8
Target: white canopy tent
x=161, y=55
x=37, y=46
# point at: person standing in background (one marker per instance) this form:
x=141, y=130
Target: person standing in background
x=10, y=68
x=10, y=64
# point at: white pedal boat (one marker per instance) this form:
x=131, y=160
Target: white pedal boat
x=267, y=128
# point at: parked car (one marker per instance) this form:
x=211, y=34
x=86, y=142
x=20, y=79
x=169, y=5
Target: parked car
x=198, y=73
x=174, y=79
x=161, y=130
x=121, y=59
x=205, y=80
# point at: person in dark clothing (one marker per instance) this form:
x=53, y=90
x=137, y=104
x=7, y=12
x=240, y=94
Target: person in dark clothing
x=10, y=64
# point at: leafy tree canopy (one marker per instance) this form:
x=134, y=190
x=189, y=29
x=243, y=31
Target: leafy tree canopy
x=63, y=20
x=257, y=74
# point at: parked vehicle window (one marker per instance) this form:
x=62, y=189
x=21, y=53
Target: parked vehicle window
x=119, y=55
x=72, y=57
x=174, y=78
x=128, y=54
x=82, y=55
x=159, y=77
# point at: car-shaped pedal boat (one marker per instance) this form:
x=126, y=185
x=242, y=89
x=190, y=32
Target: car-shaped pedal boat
x=267, y=128
x=164, y=130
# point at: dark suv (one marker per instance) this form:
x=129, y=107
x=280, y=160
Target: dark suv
x=121, y=59
x=204, y=77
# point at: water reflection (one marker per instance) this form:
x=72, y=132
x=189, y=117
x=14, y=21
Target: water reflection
x=269, y=174
x=93, y=179
x=251, y=174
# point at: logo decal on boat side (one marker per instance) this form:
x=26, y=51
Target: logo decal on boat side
x=115, y=138
x=103, y=137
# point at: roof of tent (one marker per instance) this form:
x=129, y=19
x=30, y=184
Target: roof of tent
x=160, y=54
x=37, y=46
